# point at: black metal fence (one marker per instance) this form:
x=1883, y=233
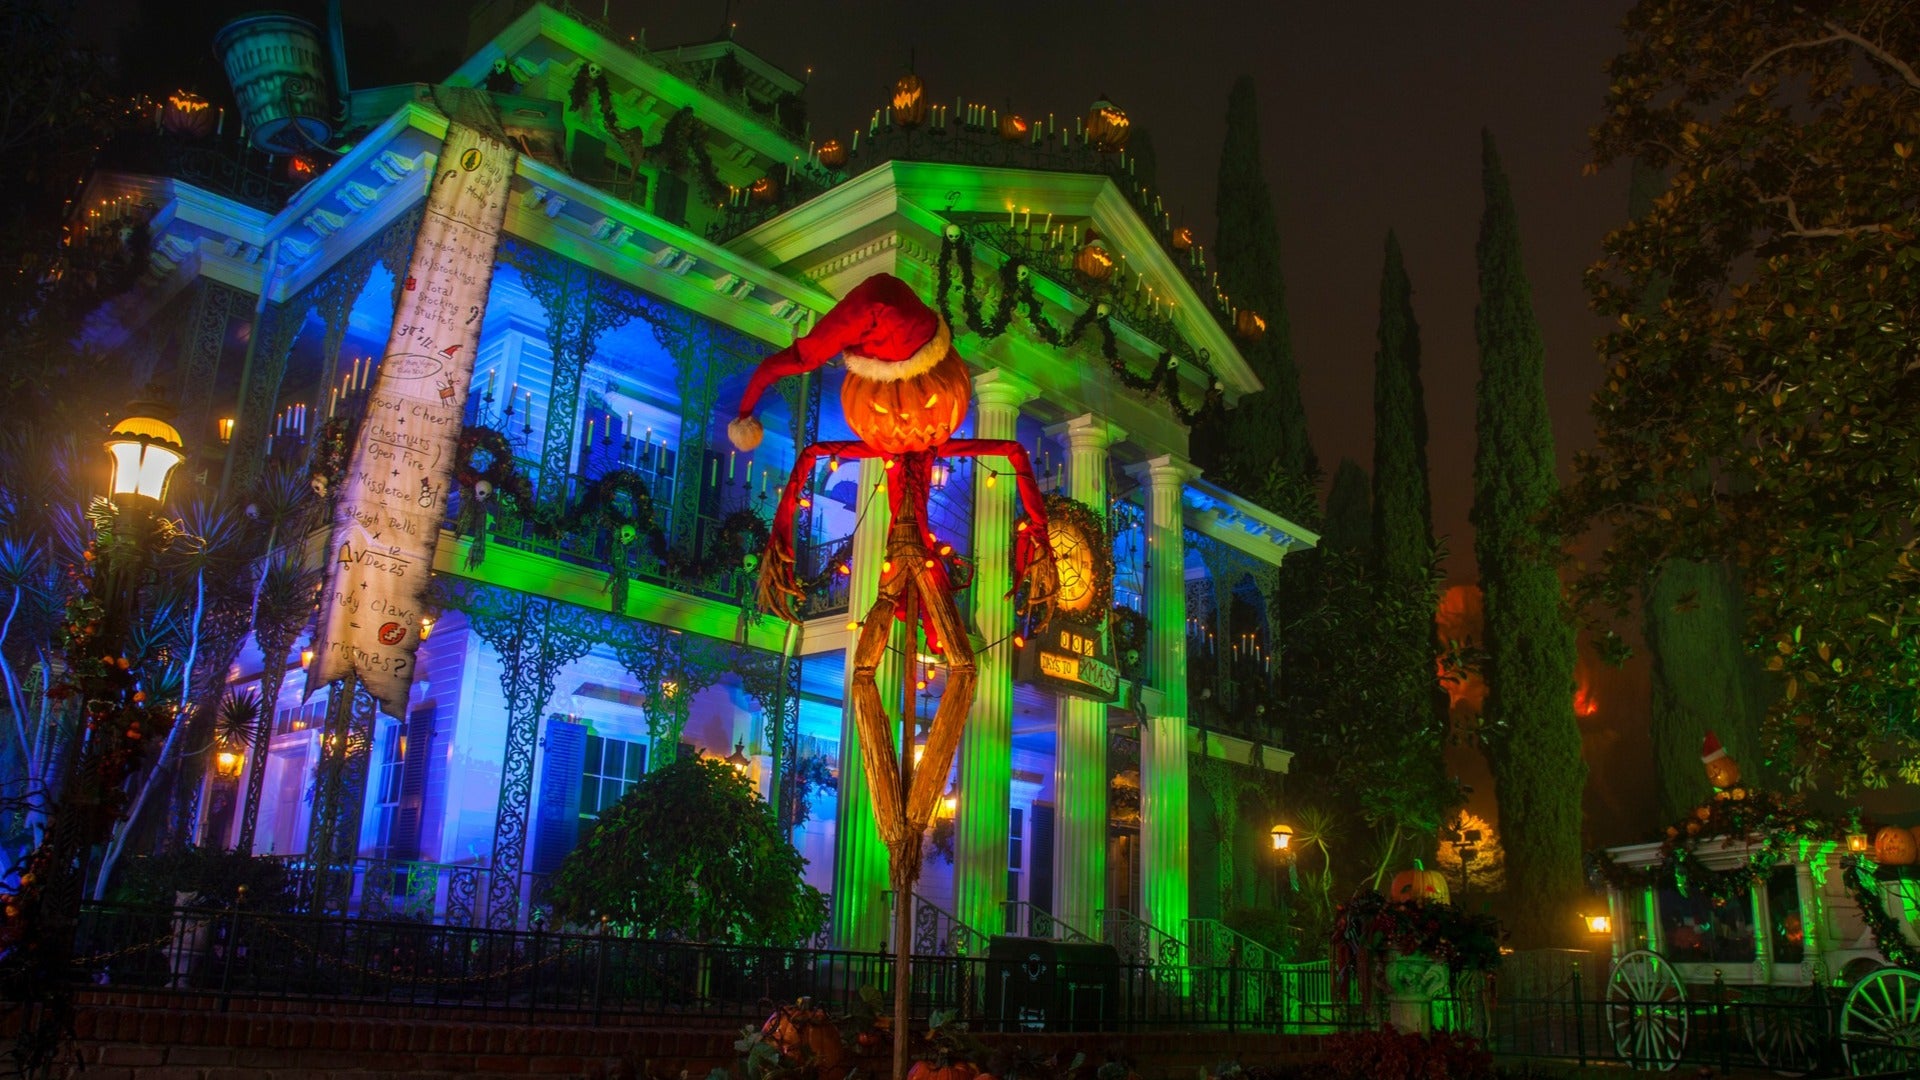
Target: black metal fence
x=1786, y=1029
x=256, y=955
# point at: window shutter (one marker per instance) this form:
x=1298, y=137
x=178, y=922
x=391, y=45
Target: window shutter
x=1040, y=883
x=556, y=824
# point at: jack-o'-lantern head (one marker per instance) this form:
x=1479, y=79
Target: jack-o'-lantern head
x=916, y=412
x=905, y=390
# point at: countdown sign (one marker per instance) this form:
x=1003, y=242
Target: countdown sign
x=1070, y=657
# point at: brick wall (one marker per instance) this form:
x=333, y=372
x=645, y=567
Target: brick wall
x=175, y=1037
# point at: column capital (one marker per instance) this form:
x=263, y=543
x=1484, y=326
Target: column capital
x=1088, y=432
x=1001, y=387
x=1165, y=469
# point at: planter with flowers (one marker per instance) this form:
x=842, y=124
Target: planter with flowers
x=1413, y=950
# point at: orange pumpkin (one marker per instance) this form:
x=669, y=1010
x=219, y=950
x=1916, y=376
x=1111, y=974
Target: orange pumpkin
x=1426, y=886
x=833, y=154
x=1893, y=846
x=187, y=113
x=909, y=101
x=1182, y=238
x=1107, y=126
x=1093, y=259
x=918, y=412
x=1013, y=128
x=765, y=190
x=1249, y=326
x=932, y=1070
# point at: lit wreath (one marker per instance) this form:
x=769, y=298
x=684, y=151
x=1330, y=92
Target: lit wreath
x=1065, y=514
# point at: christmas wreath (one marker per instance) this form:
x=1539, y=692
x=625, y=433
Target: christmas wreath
x=619, y=504
x=1066, y=515
x=488, y=478
x=1016, y=291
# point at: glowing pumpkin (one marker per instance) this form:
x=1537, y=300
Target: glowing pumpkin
x=833, y=154
x=1426, y=886
x=1014, y=128
x=909, y=101
x=1182, y=238
x=187, y=113
x=1107, y=126
x=765, y=190
x=1248, y=326
x=1093, y=259
x=942, y=1070
x=899, y=416
x=1893, y=846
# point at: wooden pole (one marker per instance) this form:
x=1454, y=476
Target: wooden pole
x=905, y=860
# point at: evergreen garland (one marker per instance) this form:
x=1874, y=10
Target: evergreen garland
x=680, y=145
x=1017, y=295
x=1887, y=935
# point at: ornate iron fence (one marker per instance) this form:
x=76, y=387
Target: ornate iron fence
x=239, y=954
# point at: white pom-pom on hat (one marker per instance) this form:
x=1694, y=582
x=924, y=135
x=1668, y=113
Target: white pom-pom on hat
x=745, y=432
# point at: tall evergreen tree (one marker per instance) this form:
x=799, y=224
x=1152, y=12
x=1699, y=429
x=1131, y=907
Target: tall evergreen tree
x=1402, y=508
x=1531, y=736
x=1263, y=450
x=1347, y=526
x=1402, y=527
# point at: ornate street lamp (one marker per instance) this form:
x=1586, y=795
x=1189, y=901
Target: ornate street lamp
x=1598, y=924
x=145, y=450
x=228, y=764
x=1282, y=835
x=738, y=759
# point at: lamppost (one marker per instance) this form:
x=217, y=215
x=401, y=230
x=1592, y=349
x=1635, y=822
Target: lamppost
x=1281, y=836
x=105, y=746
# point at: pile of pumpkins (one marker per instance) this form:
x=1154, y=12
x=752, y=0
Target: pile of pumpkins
x=1896, y=846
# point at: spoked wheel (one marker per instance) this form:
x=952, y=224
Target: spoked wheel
x=1880, y=1023
x=1787, y=1027
x=1647, y=1011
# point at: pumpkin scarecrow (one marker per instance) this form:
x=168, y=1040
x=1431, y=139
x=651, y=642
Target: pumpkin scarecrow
x=906, y=392
x=1722, y=771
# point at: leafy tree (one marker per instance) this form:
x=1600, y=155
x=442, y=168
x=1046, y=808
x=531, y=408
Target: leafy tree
x=1761, y=383
x=1346, y=527
x=1262, y=450
x=1529, y=731
x=1703, y=678
x=690, y=852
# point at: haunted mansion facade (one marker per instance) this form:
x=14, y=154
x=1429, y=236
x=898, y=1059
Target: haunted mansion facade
x=668, y=221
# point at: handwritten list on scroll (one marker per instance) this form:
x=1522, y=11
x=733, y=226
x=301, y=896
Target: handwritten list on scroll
x=394, y=494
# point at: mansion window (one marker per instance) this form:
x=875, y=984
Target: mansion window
x=612, y=766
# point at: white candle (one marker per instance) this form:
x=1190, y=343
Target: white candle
x=333, y=399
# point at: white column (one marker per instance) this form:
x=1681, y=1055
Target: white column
x=860, y=858
x=1164, y=797
x=986, y=748
x=1080, y=739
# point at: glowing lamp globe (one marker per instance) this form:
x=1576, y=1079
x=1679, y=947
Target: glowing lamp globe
x=145, y=451
x=227, y=763
x=738, y=759
x=1598, y=924
x=1282, y=836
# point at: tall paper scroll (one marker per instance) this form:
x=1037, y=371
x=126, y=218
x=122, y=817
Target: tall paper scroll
x=394, y=494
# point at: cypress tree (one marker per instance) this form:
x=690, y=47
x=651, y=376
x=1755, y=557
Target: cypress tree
x=1263, y=450
x=1402, y=527
x=1346, y=525
x=1402, y=509
x=1531, y=736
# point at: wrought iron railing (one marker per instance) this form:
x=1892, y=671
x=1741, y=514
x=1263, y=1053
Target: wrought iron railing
x=242, y=954
x=1139, y=941
x=1025, y=920
x=222, y=165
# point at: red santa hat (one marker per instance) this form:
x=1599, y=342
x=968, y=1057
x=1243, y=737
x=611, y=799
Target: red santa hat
x=1711, y=750
x=885, y=330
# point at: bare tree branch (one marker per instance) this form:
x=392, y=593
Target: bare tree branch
x=1801, y=230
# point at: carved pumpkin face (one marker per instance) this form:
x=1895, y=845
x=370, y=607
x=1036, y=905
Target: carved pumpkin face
x=1893, y=846
x=1723, y=772
x=919, y=412
x=1427, y=886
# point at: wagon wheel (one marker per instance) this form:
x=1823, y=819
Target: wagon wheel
x=1647, y=1011
x=1880, y=1023
x=1787, y=1027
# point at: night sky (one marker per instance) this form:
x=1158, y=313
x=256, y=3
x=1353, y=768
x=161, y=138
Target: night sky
x=1370, y=117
